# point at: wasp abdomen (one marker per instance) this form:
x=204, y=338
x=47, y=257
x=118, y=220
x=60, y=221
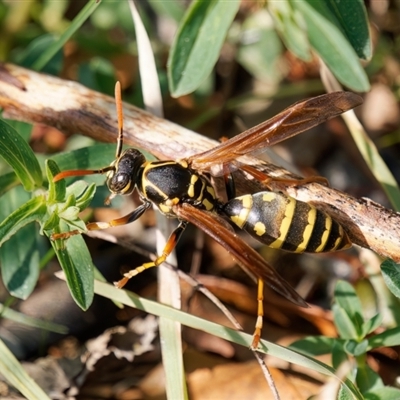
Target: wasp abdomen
x=285, y=223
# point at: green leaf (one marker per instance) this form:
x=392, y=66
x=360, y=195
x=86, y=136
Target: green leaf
x=329, y=41
x=19, y=255
x=314, y=345
x=92, y=157
x=344, y=394
x=385, y=393
x=344, y=323
x=372, y=324
x=98, y=74
x=356, y=348
x=391, y=275
x=132, y=300
x=33, y=210
x=353, y=18
x=197, y=45
x=291, y=27
x=26, y=320
x=57, y=190
x=77, y=265
x=7, y=182
x=55, y=47
x=35, y=50
x=172, y=8
x=367, y=379
x=82, y=192
x=20, y=156
x=346, y=297
x=390, y=337
x=23, y=128
x=16, y=375
x=339, y=355
x=260, y=48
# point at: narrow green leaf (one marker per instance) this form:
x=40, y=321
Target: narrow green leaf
x=198, y=42
x=20, y=156
x=346, y=297
x=36, y=48
x=344, y=324
x=77, y=265
x=344, y=394
x=353, y=18
x=173, y=8
x=132, y=300
x=83, y=201
x=291, y=27
x=372, y=324
x=75, y=25
x=57, y=190
x=33, y=210
x=19, y=258
x=15, y=374
x=385, y=393
x=7, y=182
x=391, y=275
x=389, y=338
x=329, y=41
x=260, y=49
x=92, y=157
x=367, y=379
x=23, y=319
x=314, y=345
x=339, y=355
x=23, y=128
x=19, y=255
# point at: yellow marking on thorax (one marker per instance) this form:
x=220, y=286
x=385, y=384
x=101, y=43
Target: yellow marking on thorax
x=211, y=190
x=171, y=202
x=193, y=180
x=145, y=182
x=164, y=208
x=207, y=204
x=285, y=224
x=311, y=218
x=325, y=235
x=183, y=163
x=260, y=229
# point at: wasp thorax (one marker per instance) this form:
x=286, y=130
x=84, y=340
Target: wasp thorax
x=123, y=178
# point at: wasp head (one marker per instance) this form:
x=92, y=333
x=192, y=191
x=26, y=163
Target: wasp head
x=122, y=178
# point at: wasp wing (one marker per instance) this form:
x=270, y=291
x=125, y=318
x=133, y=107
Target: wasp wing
x=290, y=122
x=246, y=256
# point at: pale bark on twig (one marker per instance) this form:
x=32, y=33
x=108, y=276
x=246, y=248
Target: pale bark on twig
x=28, y=96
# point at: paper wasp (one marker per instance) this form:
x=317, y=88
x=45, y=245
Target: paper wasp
x=182, y=189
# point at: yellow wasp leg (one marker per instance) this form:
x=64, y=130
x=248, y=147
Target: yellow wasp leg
x=168, y=248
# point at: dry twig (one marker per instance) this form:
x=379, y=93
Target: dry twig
x=28, y=96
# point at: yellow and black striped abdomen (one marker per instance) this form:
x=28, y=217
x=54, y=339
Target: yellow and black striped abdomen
x=283, y=222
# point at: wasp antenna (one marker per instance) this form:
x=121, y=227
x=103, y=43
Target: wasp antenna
x=118, y=103
x=81, y=172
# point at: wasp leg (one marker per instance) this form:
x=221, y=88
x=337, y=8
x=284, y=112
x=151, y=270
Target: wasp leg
x=168, y=248
x=266, y=179
x=260, y=314
x=92, y=226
